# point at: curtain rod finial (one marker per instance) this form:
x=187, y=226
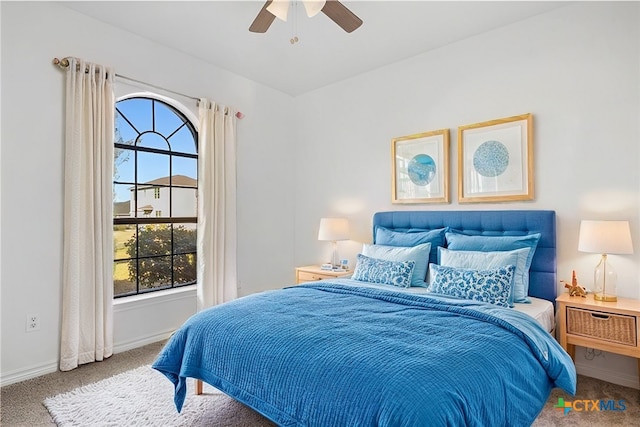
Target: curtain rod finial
x=64, y=62
x=239, y=115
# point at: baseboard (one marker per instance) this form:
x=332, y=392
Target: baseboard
x=142, y=341
x=28, y=373
x=626, y=380
x=122, y=307
x=35, y=371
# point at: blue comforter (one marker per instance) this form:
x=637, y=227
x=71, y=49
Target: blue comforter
x=330, y=354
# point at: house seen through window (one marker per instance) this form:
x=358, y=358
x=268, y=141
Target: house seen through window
x=155, y=187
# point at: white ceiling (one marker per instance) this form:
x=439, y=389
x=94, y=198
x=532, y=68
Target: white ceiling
x=217, y=32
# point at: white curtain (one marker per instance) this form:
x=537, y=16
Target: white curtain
x=87, y=289
x=217, y=273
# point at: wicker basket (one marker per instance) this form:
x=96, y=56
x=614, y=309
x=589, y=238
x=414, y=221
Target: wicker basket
x=616, y=328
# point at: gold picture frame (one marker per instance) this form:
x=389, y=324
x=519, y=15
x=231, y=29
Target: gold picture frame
x=420, y=168
x=495, y=160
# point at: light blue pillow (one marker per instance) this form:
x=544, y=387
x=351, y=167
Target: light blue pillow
x=412, y=237
x=419, y=254
x=462, y=242
x=478, y=260
x=492, y=286
x=373, y=270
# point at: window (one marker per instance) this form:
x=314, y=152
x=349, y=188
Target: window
x=155, y=149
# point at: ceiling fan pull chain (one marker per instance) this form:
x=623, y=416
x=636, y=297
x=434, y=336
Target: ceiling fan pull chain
x=294, y=24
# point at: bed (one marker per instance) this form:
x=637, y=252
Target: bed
x=365, y=351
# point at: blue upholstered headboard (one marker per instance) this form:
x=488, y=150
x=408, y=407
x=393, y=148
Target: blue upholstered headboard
x=542, y=275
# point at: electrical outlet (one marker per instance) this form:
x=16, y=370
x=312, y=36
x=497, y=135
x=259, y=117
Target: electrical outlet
x=33, y=322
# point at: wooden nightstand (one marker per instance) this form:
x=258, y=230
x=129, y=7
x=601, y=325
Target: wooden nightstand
x=312, y=273
x=607, y=326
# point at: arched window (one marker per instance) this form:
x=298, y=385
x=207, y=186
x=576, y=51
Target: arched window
x=155, y=186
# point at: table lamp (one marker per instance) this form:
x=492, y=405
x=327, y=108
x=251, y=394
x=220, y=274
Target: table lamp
x=334, y=229
x=605, y=237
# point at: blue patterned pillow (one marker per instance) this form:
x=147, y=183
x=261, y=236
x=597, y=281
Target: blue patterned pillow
x=396, y=273
x=457, y=240
x=419, y=254
x=478, y=260
x=492, y=286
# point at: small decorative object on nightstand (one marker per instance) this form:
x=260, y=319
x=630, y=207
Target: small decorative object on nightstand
x=608, y=326
x=313, y=273
x=575, y=290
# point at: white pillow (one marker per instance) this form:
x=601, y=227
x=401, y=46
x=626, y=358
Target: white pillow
x=418, y=253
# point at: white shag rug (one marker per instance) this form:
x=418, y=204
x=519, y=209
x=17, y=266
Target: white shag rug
x=144, y=397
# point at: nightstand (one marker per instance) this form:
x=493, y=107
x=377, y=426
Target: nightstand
x=312, y=273
x=607, y=326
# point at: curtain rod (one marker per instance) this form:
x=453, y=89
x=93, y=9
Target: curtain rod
x=64, y=63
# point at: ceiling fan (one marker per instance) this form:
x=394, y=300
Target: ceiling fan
x=335, y=10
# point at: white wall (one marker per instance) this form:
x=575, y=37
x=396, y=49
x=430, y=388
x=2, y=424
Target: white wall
x=32, y=175
x=577, y=69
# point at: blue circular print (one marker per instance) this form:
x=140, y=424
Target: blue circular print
x=422, y=169
x=491, y=158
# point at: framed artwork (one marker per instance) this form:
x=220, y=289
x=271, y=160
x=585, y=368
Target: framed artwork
x=420, y=168
x=495, y=160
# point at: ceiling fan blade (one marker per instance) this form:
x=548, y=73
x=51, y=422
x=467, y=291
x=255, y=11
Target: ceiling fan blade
x=342, y=16
x=263, y=20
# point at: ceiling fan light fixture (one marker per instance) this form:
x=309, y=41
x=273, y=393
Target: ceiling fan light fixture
x=313, y=7
x=279, y=8
x=334, y=10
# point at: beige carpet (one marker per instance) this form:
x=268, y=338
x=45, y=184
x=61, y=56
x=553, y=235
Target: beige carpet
x=21, y=404
x=592, y=389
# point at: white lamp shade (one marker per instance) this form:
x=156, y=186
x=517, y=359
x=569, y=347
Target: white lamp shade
x=313, y=7
x=279, y=8
x=605, y=237
x=333, y=229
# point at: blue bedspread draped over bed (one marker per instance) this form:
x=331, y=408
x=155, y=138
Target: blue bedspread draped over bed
x=339, y=355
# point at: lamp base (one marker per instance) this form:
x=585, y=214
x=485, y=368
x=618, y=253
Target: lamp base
x=334, y=256
x=605, y=298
